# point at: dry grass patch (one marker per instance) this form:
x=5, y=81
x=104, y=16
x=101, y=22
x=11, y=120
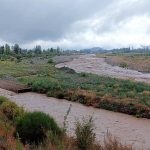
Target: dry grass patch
x=136, y=62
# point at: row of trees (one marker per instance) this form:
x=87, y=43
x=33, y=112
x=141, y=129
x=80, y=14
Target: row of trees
x=5, y=49
x=16, y=49
x=142, y=49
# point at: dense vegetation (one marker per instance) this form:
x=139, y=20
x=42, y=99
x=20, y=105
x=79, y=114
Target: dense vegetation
x=44, y=133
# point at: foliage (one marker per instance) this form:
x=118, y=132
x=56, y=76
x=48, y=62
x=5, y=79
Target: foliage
x=85, y=137
x=50, y=61
x=44, y=85
x=33, y=127
x=3, y=99
x=11, y=110
x=123, y=65
x=111, y=143
x=92, y=90
x=7, y=140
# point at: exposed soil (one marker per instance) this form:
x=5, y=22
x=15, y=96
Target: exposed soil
x=14, y=86
x=92, y=64
x=128, y=129
x=62, y=59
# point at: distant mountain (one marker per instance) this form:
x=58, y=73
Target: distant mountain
x=93, y=50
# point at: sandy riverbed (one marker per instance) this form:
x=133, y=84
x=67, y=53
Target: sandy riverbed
x=128, y=129
x=92, y=64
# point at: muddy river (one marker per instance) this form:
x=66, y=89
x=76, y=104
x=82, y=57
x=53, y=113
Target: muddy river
x=92, y=64
x=128, y=129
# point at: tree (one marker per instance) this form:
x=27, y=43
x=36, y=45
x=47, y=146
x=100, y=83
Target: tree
x=17, y=49
x=52, y=50
x=7, y=49
x=2, y=50
x=38, y=49
x=58, y=49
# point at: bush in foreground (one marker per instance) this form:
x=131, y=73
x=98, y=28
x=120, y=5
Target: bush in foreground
x=11, y=110
x=7, y=140
x=33, y=127
x=3, y=99
x=85, y=137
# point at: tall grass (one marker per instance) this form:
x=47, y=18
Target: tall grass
x=85, y=136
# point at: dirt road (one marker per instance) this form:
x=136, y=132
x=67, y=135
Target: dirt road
x=128, y=129
x=92, y=64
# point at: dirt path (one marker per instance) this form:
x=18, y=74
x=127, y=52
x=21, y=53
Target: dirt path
x=128, y=129
x=92, y=64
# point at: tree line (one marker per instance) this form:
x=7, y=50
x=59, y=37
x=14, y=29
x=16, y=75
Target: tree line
x=17, y=50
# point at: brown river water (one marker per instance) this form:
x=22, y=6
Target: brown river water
x=128, y=129
x=91, y=64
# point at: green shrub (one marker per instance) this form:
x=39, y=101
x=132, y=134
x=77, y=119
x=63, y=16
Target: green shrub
x=60, y=94
x=3, y=99
x=67, y=70
x=44, y=85
x=123, y=65
x=84, y=134
x=11, y=110
x=108, y=105
x=33, y=127
x=50, y=61
x=83, y=74
x=18, y=59
x=50, y=94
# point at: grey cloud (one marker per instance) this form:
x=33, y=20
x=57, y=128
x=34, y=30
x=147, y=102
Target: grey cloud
x=122, y=12
x=30, y=20
x=113, y=16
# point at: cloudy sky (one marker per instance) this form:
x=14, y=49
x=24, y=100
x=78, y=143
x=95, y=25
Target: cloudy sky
x=75, y=23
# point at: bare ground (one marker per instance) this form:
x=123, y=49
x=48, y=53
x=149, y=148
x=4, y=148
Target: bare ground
x=128, y=129
x=92, y=64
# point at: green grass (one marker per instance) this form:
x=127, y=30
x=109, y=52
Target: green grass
x=120, y=94
x=61, y=80
x=11, y=68
x=88, y=89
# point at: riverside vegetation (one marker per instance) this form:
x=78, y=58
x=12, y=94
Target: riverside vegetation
x=20, y=130
x=135, y=61
x=92, y=90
